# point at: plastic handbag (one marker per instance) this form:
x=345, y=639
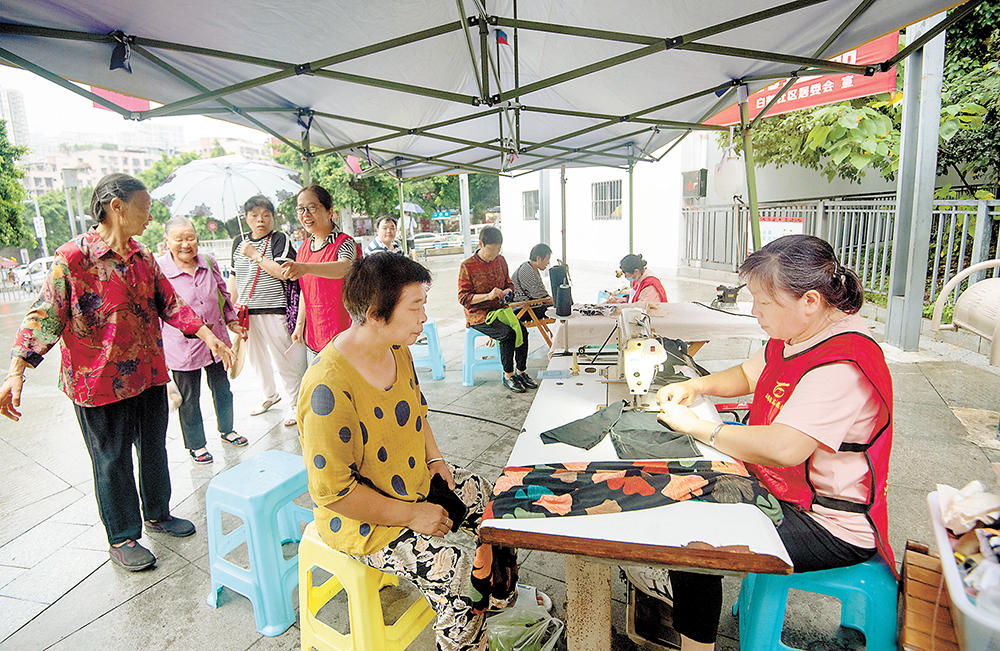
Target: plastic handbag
x=523, y=628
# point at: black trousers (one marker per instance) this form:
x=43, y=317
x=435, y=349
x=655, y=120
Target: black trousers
x=698, y=597
x=509, y=354
x=110, y=432
x=189, y=385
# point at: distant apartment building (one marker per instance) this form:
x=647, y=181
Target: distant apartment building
x=254, y=150
x=43, y=173
x=12, y=111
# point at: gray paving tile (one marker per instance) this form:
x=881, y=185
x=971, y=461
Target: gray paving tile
x=928, y=424
x=23, y=519
x=140, y=622
x=95, y=538
x=963, y=385
x=922, y=464
x=82, y=511
x=99, y=593
x=28, y=549
x=16, y=613
x=8, y=573
x=914, y=388
x=54, y=576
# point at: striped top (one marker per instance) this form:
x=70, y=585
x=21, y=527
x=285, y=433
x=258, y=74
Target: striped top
x=347, y=250
x=528, y=283
x=269, y=294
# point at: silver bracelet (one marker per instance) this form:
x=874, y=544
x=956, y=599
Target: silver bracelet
x=434, y=460
x=711, y=439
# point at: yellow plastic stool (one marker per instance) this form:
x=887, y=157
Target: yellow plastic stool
x=362, y=583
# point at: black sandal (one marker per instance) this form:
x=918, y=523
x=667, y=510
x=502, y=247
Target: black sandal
x=238, y=441
x=204, y=457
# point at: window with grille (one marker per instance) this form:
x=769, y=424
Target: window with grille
x=606, y=200
x=529, y=200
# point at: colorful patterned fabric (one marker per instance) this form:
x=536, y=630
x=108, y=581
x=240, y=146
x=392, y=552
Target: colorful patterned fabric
x=442, y=569
x=583, y=488
x=106, y=311
x=476, y=276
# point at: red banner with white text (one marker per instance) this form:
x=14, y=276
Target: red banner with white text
x=808, y=92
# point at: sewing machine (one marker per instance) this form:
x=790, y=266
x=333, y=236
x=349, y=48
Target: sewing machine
x=640, y=353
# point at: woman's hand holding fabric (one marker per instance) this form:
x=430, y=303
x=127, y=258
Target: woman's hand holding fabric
x=681, y=393
x=679, y=418
x=429, y=519
x=440, y=467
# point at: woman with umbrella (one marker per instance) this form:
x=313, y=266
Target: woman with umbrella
x=103, y=299
x=322, y=262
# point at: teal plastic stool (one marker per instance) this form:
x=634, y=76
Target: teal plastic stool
x=867, y=593
x=429, y=355
x=478, y=359
x=260, y=492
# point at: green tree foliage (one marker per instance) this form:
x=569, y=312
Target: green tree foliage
x=52, y=206
x=153, y=177
x=13, y=231
x=217, y=150
x=847, y=138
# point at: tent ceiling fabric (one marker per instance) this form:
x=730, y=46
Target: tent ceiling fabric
x=379, y=104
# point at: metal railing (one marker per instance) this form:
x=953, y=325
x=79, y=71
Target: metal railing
x=963, y=232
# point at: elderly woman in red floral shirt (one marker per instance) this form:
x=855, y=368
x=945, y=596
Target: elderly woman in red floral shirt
x=103, y=300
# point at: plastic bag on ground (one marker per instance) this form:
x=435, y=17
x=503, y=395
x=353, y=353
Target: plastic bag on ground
x=523, y=628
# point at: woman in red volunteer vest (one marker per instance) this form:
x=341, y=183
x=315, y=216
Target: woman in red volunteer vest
x=646, y=288
x=320, y=266
x=820, y=427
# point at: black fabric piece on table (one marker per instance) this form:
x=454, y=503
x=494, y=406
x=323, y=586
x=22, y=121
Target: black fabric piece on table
x=588, y=431
x=441, y=495
x=639, y=435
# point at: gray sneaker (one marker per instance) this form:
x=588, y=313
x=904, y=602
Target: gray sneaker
x=176, y=527
x=132, y=556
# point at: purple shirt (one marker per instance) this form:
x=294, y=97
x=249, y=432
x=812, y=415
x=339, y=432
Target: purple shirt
x=201, y=292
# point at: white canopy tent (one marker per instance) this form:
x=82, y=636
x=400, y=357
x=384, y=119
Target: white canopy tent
x=426, y=87
x=423, y=87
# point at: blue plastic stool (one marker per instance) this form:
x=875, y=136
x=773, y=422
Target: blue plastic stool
x=429, y=355
x=260, y=492
x=867, y=593
x=478, y=359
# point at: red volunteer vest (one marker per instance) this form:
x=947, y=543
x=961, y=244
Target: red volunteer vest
x=776, y=384
x=326, y=316
x=650, y=281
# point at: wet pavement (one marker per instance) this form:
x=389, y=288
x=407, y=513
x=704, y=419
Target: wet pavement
x=59, y=589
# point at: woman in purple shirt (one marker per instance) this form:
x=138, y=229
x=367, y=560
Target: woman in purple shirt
x=196, y=278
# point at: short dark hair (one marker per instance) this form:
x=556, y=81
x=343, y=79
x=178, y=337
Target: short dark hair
x=377, y=281
x=632, y=262
x=539, y=251
x=113, y=186
x=799, y=263
x=490, y=235
x=386, y=218
x=258, y=201
x=322, y=194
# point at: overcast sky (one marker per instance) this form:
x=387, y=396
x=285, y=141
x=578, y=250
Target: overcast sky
x=52, y=109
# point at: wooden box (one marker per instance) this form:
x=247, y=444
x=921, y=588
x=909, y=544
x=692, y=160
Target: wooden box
x=925, y=605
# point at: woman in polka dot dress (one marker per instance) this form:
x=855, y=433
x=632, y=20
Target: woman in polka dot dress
x=370, y=452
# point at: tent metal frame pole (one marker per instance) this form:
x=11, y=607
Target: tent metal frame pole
x=860, y=9
x=593, y=144
x=468, y=41
x=517, y=83
x=915, y=185
x=56, y=79
x=307, y=157
x=631, y=204
x=749, y=165
x=562, y=205
x=484, y=57
x=225, y=103
x=403, y=226
x=670, y=124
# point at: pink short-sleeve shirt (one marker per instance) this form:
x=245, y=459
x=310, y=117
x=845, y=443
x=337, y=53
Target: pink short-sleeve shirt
x=832, y=404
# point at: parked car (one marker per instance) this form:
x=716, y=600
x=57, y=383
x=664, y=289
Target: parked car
x=34, y=273
x=427, y=240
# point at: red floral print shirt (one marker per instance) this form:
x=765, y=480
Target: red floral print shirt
x=106, y=312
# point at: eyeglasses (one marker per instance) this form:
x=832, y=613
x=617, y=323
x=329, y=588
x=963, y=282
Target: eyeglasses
x=312, y=209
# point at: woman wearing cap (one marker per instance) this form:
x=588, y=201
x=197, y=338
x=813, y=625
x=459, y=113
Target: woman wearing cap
x=820, y=428
x=646, y=288
x=196, y=279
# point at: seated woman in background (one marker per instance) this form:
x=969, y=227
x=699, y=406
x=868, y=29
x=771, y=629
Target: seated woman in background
x=484, y=287
x=646, y=288
x=527, y=279
x=371, y=455
x=820, y=428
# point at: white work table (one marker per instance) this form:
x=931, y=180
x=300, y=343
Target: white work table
x=724, y=538
x=684, y=321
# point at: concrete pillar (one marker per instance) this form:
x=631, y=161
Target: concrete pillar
x=588, y=604
x=915, y=186
x=544, y=206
